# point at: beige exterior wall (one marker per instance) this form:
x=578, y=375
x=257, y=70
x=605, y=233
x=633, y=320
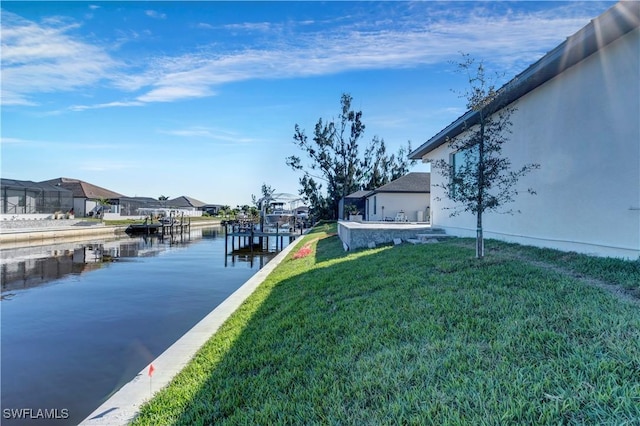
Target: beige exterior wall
x=582, y=127
x=389, y=204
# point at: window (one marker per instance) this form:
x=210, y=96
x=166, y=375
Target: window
x=375, y=205
x=463, y=162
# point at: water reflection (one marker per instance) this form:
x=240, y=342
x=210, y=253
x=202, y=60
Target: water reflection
x=79, y=320
x=28, y=267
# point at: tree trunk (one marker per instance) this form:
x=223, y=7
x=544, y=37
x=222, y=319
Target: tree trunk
x=481, y=185
x=479, y=237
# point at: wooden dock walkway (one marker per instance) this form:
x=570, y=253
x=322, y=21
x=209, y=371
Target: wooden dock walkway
x=247, y=234
x=171, y=227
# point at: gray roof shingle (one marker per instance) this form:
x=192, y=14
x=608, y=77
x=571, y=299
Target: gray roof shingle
x=184, y=201
x=83, y=189
x=416, y=182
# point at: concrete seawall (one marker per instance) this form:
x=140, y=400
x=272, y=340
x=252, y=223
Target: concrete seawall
x=55, y=235
x=34, y=233
x=124, y=405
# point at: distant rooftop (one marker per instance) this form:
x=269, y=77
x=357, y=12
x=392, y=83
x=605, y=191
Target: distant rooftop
x=418, y=182
x=359, y=194
x=30, y=185
x=184, y=201
x=83, y=189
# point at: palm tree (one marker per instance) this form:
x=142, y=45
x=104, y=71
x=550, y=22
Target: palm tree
x=103, y=202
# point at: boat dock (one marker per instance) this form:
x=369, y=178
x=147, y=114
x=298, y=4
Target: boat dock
x=169, y=227
x=246, y=236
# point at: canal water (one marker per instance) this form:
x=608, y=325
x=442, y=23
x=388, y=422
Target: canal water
x=80, y=320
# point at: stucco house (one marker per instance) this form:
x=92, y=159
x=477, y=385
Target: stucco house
x=212, y=209
x=86, y=196
x=405, y=199
x=578, y=116
x=186, y=203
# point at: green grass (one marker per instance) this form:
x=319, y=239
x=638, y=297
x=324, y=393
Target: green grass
x=611, y=270
x=413, y=335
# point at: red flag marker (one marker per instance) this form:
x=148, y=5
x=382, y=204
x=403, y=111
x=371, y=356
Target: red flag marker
x=151, y=370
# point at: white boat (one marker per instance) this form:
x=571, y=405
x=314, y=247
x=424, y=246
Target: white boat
x=279, y=210
x=277, y=215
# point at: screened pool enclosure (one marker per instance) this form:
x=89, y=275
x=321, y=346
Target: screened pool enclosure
x=26, y=197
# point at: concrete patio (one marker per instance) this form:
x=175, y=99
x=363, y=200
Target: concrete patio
x=356, y=235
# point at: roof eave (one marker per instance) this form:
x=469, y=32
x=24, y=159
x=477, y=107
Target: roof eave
x=617, y=21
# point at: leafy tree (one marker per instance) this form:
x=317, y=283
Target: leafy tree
x=267, y=191
x=335, y=161
x=381, y=168
x=319, y=205
x=480, y=179
x=334, y=155
x=163, y=198
x=254, y=212
x=104, y=203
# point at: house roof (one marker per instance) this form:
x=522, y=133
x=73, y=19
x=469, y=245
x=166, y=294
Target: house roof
x=185, y=201
x=415, y=182
x=149, y=200
x=83, y=189
x=617, y=21
x=359, y=194
x=30, y=185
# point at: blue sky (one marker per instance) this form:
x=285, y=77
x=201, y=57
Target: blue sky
x=201, y=98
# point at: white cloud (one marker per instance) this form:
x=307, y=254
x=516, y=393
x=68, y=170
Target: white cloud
x=4, y=141
x=204, y=25
x=40, y=58
x=154, y=14
x=219, y=135
x=174, y=92
x=105, y=105
x=249, y=26
x=43, y=58
x=512, y=42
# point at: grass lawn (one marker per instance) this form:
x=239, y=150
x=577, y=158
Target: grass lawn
x=418, y=335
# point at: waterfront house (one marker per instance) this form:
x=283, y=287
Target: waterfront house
x=578, y=117
x=212, y=209
x=186, y=203
x=87, y=197
x=406, y=199
x=24, y=199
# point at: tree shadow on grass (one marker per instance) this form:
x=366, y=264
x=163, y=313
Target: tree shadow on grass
x=381, y=337
x=281, y=363
x=329, y=248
